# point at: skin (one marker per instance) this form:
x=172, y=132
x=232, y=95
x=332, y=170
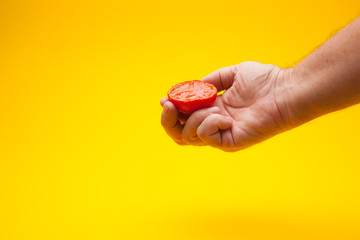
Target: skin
x=262, y=100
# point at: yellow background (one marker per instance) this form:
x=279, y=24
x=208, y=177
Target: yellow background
x=82, y=151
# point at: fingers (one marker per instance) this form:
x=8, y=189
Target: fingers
x=222, y=78
x=163, y=101
x=210, y=130
x=204, y=127
x=170, y=122
x=182, y=117
x=189, y=133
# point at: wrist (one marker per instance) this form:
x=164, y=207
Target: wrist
x=293, y=98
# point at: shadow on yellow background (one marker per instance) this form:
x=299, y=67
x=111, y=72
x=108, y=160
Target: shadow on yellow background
x=82, y=152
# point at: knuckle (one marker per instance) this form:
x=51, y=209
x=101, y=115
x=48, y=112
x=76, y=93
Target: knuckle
x=184, y=136
x=201, y=133
x=188, y=137
x=196, y=115
x=247, y=63
x=168, y=122
x=164, y=122
x=229, y=150
x=180, y=142
x=211, y=119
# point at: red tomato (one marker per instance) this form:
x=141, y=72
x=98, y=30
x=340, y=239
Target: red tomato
x=192, y=95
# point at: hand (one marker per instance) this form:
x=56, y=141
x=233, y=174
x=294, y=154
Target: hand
x=245, y=114
x=261, y=101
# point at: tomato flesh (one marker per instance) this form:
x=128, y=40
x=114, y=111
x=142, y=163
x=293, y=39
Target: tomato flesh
x=192, y=95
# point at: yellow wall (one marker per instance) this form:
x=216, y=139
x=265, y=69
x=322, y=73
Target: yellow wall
x=82, y=151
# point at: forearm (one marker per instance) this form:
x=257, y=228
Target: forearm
x=327, y=80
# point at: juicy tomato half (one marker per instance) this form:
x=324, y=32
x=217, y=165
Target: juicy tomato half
x=192, y=95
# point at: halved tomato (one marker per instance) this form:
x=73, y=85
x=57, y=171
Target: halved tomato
x=190, y=96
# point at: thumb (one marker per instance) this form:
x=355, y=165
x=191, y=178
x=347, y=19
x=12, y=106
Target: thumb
x=222, y=78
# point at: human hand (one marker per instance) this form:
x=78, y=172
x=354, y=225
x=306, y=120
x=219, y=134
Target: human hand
x=261, y=100
x=245, y=114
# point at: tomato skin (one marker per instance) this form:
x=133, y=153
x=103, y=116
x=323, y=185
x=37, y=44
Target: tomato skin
x=189, y=106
